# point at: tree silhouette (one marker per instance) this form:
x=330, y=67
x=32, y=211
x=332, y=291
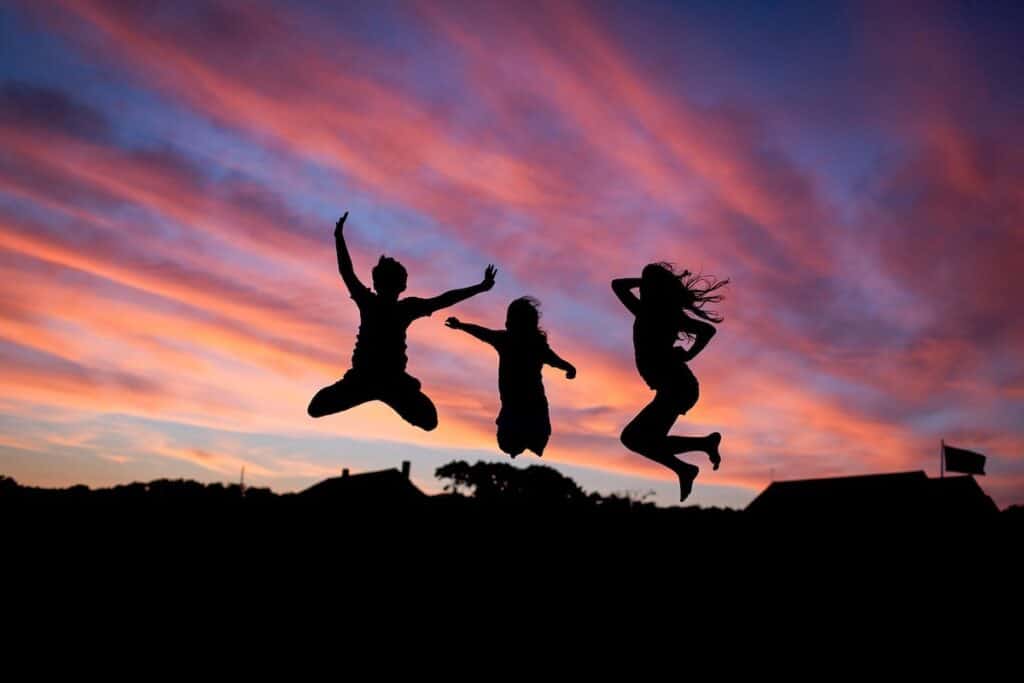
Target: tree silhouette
x=494, y=482
x=8, y=486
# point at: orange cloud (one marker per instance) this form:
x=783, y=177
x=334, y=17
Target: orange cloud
x=221, y=307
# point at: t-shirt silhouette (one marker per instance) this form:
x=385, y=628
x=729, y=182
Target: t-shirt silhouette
x=520, y=361
x=380, y=343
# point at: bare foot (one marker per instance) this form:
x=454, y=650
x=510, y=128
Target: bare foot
x=686, y=473
x=714, y=439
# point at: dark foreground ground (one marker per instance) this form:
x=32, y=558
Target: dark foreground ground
x=535, y=572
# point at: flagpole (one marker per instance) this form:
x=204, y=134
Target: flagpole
x=942, y=459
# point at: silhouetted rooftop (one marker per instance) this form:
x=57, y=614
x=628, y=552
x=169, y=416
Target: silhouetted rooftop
x=391, y=486
x=900, y=493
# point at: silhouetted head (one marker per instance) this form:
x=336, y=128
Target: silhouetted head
x=523, y=317
x=389, y=277
x=660, y=285
x=665, y=292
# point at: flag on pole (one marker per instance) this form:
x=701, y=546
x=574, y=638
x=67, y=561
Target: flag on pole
x=960, y=460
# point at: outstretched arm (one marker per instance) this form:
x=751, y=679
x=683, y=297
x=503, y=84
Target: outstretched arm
x=454, y=296
x=482, y=333
x=556, y=361
x=623, y=288
x=702, y=333
x=348, y=273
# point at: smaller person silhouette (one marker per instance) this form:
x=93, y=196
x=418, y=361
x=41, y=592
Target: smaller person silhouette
x=523, y=423
x=378, y=359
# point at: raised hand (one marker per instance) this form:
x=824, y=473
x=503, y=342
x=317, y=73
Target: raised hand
x=339, y=227
x=489, y=274
x=571, y=372
x=453, y=322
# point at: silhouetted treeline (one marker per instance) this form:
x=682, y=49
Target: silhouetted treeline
x=480, y=486
x=493, y=524
x=494, y=505
x=472, y=493
x=158, y=493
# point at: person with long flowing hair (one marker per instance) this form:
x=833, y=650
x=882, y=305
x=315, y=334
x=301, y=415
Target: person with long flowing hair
x=670, y=308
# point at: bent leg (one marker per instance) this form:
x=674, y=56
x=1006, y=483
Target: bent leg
x=414, y=407
x=686, y=444
x=682, y=396
x=342, y=395
x=647, y=434
x=705, y=444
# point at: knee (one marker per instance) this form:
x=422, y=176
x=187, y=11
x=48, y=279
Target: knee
x=428, y=420
x=323, y=403
x=632, y=437
x=315, y=409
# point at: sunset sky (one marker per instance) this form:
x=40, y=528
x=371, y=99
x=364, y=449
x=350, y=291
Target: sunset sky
x=170, y=175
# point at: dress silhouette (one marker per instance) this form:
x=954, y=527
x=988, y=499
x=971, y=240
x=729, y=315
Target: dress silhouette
x=523, y=423
x=378, y=359
x=670, y=307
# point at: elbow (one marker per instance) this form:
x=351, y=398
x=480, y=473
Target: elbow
x=703, y=330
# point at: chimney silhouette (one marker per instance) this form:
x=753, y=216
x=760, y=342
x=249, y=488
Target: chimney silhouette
x=344, y=473
x=406, y=466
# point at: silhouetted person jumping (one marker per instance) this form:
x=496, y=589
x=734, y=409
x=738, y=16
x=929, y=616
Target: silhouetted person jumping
x=522, y=347
x=378, y=359
x=670, y=308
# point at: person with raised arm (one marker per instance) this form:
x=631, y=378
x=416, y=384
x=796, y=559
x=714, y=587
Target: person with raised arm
x=523, y=351
x=670, y=308
x=378, y=370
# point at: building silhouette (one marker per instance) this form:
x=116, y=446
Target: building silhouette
x=901, y=495
x=390, y=487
